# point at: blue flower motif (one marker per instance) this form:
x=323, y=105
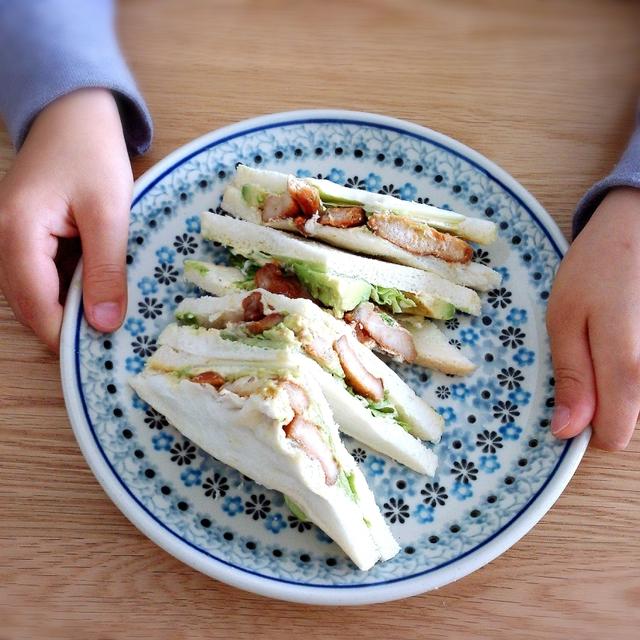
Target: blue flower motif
x=469, y=336
x=520, y=396
x=375, y=465
x=193, y=224
x=336, y=175
x=303, y=173
x=134, y=326
x=423, y=513
x=459, y=391
x=524, y=357
x=517, y=316
x=448, y=414
x=183, y=192
x=456, y=442
x=134, y=364
x=233, y=505
x=485, y=392
x=510, y=431
x=191, y=477
x=489, y=463
x=408, y=191
x=165, y=254
x=373, y=182
x=139, y=403
x=275, y=522
x=397, y=479
x=504, y=272
x=462, y=491
x=162, y=441
x=147, y=285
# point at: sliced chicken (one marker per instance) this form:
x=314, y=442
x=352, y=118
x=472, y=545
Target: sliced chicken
x=308, y=437
x=297, y=397
x=355, y=373
x=321, y=350
x=278, y=207
x=252, y=307
x=305, y=195
x=419, y=238
x=259, y=326
x=209, y=377
x=343, y=217
x=390, y=336
x=271, y=278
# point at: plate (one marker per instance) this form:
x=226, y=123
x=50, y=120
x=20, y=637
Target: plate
x=500, y=468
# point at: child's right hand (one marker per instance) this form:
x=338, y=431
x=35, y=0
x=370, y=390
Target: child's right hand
x=594, y=325
x=71, y=178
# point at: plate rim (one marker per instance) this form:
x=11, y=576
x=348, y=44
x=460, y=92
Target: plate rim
x=242, y=578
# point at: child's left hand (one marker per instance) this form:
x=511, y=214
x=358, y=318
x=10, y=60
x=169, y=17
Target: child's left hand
x=594, y=326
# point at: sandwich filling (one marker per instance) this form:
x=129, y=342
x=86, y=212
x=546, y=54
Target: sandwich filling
x=264, y=327
x=307, y=204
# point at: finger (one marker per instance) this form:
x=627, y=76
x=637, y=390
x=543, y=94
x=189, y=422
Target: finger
x=103, y=233
x=575, y=393
x=33, y=286
x=617, y=372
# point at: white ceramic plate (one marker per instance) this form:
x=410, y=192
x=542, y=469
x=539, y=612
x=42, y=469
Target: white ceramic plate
x=500, y=468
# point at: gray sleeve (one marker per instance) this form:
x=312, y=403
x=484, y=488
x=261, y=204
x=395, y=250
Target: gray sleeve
x=49, y=48
x=625, y=174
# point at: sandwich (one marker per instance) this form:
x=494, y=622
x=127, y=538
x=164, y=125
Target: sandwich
x=283, y=263
x=259, y=411
x=370, y=402
x=409, y=233
x=405, y=338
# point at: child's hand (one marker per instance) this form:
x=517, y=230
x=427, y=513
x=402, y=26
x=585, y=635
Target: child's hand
x=594, y=324
x=72, y=177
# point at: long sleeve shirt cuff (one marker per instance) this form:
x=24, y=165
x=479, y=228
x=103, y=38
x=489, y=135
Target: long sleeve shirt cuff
x=625, y=174
x=53, y=47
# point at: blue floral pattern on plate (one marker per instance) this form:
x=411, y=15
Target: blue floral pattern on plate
x=496, y=453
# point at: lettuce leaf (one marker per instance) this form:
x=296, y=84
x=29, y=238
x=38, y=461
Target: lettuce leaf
x=390, y=297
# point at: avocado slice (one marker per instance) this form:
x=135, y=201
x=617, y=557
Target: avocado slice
x=253, y=195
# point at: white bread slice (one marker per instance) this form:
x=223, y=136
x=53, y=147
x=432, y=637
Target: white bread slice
x=384, y=435
x=433, y=348
x=246, y=433
x=362, y=240
x=261, y=244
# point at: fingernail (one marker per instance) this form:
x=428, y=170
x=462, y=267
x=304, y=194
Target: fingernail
x=560, y=420
x=106, y=314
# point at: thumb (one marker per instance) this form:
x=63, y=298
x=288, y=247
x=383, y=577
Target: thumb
x=103, y=233
x=575, y=397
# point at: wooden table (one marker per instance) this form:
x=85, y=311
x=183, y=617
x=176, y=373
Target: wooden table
x=545, y=89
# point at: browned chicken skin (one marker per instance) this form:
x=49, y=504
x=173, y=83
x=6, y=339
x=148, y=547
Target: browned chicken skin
x=394, y=339
x=252, y=307
x=271, y=278
x=209, y=377
x=259, y=326
x=307, y=436
x=343, y=217
x=419, y=238
x=355, y=373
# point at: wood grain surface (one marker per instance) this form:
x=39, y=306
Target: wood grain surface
x=545, y=89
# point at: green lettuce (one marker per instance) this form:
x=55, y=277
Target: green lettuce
x=390, y=297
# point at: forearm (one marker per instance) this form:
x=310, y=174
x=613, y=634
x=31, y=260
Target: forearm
x=625, y=174
x=53, y=47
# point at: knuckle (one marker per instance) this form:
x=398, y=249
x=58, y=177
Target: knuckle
x=104, y=276
x=568, y=379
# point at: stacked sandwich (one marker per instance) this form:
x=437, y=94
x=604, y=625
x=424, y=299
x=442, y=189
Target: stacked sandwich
x=265, y=375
